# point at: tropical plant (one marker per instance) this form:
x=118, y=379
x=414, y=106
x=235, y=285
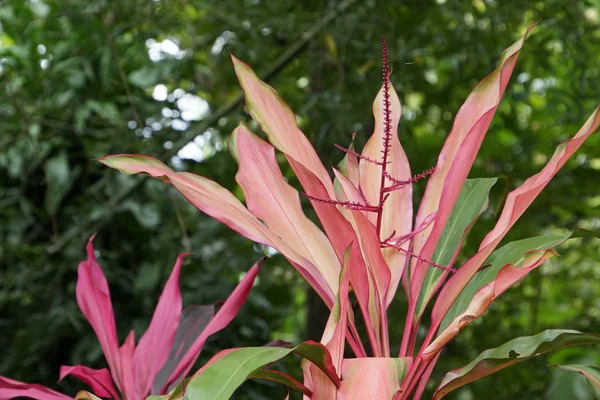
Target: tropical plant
x=165, y=353
x=371, y=246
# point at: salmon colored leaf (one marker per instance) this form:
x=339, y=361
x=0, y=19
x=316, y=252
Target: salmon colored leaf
x=219, y=203
x=372, y=378
x=270, y=198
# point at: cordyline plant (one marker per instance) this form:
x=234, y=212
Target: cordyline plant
x=372, y=243
x=165, y=353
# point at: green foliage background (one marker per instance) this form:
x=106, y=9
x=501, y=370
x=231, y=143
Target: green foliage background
x=79, y=82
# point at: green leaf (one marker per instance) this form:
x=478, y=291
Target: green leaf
x=511, y=253
x=512, y=352
x=592, y=374
x=219, y=379
x=471, y=203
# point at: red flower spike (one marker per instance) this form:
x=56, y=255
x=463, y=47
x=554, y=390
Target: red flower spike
x=352, y=205
x=387, y=133
x=358, y=155
x=399, y=184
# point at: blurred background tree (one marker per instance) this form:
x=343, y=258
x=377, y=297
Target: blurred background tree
x=83, y=79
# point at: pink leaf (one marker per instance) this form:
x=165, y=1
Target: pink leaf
x=93, y=298
x=516, y=203
x=10, y=388
x=219, y=203
x=278, y=121
x=97, y=379
x=126, y=353
x=270, y=198
x=154, y=346
x=397, y=213
x=457, y=156
x=221, y=319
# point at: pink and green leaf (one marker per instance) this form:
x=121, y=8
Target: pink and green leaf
x=471, y=203
x=284, y=379
x=516, y=203
x=510, y=353
x=227, y=370
x=457, y=156
x=512, y=253
x=222, y=318
x=507, y=277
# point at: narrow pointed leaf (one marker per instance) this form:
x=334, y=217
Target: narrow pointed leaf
x=270, y=198
x=507, y=277
x=154, y=346
x=278, y=121
x=10, y=388
x=228, y=370
x=126, y=353
x=510, y=353
x=512, y=253
x=517, y=202
x=222, y=318
x=93, y=298
x=99, y=380
x=194, y=320
x=471, y=203
x=457, y=156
